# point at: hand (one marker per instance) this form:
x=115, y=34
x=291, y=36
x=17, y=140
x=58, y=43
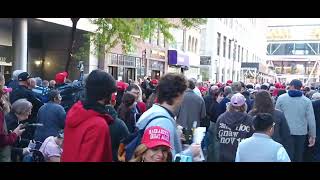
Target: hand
x=19, y=130
x=195, y=149
x=26, y=151
x=312, y=141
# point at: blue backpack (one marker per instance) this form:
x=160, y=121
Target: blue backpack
x=128, y=145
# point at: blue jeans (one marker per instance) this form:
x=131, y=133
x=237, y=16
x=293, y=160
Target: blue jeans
x=298, y=147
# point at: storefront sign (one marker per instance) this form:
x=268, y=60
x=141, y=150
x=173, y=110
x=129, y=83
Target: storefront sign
x=205, y=60
x=177, y=58
x=158, y=54
x=3, y=59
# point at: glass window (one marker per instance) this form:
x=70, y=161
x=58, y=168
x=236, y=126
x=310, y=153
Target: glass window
x=218, y=43
x=196, y=46
x=247, y=56
x=189, y=43
x=242, y=55
x=224, y=45
x=238, y=53
x=229, y=49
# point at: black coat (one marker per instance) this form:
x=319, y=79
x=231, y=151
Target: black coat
x=313, y=153
x=118, y=131
x=23, y=92
x=208, y=99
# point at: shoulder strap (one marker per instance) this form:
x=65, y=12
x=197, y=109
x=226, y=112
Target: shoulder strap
x=156, y=117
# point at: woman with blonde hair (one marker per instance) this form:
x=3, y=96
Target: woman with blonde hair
x=7, y=139
x=155, y=146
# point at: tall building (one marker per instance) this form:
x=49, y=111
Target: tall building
x=40, y=46
x=293, y=49
x=234, y=49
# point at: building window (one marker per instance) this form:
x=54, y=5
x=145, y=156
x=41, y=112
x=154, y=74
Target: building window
x=247, y=56
x=238, y=53
x=218, y=43
x=229, y=49
x=189, y=43
x=192, y=45
x=196, y=46
x=242, y=55
x=224, y=45
x=222, y=75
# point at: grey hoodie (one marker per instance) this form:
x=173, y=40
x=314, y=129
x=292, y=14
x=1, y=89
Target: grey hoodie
x=232, y=128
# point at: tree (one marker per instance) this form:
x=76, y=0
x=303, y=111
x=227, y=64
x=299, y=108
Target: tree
x=126, y=31
x=112, y=31
x=72, y=42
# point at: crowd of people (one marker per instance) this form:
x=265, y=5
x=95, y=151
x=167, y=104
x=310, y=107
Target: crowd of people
x=99, y=119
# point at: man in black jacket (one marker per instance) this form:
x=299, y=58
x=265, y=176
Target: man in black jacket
x=22, y=92
x=208, y=100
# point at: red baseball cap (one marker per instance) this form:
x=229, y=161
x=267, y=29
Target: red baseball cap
x=60, y=78
x=65, y=74
x=229, y=82
x=156, y=136
x=278, y=85
x=154, y=81
x=203, y=89
x=121, y=86
x=219, y=84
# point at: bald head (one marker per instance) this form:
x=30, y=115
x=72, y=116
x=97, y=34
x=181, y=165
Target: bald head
x=32, y=83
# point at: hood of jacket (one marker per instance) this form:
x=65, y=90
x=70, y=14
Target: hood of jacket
x=232, y=119
x=81, y=111
x=294, y=93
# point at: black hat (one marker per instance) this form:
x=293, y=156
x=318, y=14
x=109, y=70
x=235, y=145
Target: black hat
x=24, y=76
x=296, y=83
x=100, y=85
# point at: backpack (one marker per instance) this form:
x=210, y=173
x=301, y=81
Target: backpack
x=69, y=94
x=128, y=145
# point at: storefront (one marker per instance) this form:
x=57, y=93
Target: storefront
x=178, y=62
x=6, y=62
x=256, y=73
x=157, y=63
x=124, y=67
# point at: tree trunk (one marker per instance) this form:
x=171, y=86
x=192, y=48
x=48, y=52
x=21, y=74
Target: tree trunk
x=72, y=42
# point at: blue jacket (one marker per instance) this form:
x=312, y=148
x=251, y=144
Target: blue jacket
x=166, y=123
x=53, y=117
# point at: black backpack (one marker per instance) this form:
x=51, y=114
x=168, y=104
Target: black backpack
x=128, y=145
x=69, y=94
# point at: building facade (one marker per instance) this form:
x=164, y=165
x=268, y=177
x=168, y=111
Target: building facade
x=40, y=46
x=293, y=51
x=227, y=44
x=184, y=53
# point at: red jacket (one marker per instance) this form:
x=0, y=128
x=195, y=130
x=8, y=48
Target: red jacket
x=6, y=138
x=86, y=136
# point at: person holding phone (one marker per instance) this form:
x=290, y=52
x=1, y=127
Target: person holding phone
x=7, y=139
x=21, y=110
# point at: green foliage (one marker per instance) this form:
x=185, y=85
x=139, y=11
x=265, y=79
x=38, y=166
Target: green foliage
x=112, y=31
